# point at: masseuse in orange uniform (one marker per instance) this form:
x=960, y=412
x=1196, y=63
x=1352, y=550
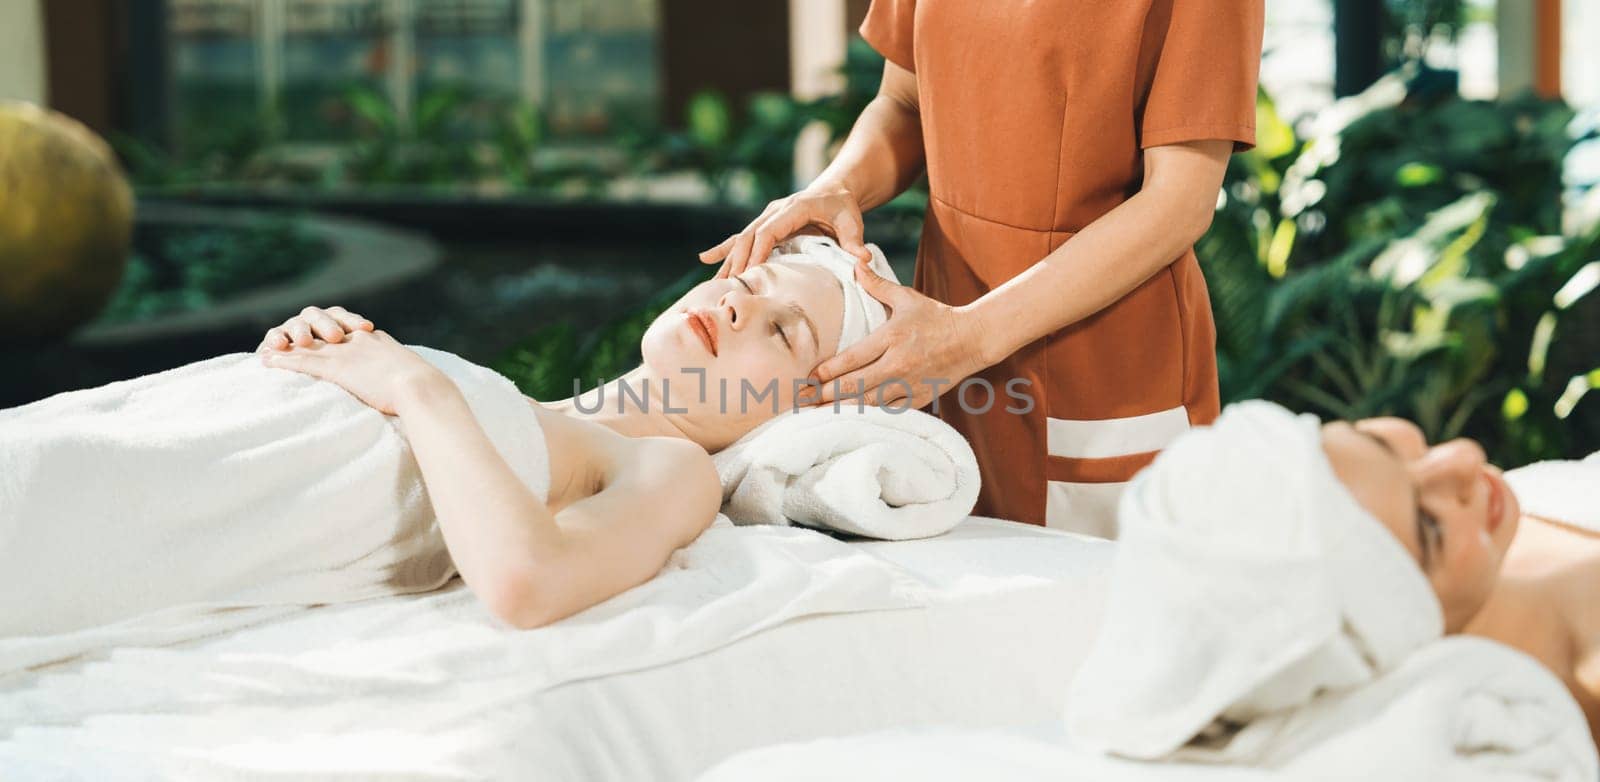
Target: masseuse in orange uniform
x=1074, y=152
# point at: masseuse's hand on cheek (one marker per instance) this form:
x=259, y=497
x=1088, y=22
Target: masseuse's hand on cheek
x=925, y=348
x=834, y=209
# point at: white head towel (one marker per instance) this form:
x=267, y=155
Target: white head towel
x=1247, y=580
x=862, y=312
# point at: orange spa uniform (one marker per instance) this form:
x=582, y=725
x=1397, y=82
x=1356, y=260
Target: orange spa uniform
x=1034, y=114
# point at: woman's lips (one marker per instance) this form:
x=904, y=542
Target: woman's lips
x=705, y=329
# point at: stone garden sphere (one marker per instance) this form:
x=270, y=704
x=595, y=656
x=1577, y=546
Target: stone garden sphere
x=66, y=217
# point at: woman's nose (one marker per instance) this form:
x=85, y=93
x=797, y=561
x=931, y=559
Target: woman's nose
x=733, y=308
x=1456, y=466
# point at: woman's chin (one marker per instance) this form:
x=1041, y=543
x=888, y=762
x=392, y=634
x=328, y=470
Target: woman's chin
x=1503, y=529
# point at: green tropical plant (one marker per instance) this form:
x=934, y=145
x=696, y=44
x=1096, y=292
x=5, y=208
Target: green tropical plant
x=1407, y=258
x=430, y=146
x=556, y=362
x=184, y=268
x=719, y=143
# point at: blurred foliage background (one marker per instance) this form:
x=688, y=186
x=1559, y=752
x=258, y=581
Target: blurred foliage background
x=1406, y=251
x=1408, y=258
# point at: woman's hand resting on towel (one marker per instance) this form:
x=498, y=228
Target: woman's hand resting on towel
x=369, y=364
x=313, y=323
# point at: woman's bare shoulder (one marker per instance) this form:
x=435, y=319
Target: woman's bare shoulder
x=681, y=474
x=580, y=454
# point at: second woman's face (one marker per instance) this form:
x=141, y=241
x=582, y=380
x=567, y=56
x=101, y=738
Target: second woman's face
x=1446, y=504
x=767, y=327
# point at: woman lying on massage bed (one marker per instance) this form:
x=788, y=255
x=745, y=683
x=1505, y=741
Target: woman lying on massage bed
x=1291, y=525
x=626, y=486
x=1523, y=579
x=1276, y=609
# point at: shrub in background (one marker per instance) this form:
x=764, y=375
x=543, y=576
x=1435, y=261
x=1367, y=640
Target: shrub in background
x=1408, y=258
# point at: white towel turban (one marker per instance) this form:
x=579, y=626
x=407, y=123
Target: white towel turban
x=862, y=313
x=1247, y=580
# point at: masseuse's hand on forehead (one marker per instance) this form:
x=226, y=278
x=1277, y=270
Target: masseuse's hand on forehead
x=923, y=346
x=834, y=211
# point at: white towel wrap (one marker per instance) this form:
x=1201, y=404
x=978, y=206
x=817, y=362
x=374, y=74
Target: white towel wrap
x=1247, y=580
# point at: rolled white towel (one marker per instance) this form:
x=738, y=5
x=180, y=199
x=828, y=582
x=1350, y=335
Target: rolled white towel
x=860, y=469
x=1247, y=580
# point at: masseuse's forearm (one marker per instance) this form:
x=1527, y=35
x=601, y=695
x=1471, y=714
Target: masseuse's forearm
x=881, y=157
x=492, y=523
x=1097, y=266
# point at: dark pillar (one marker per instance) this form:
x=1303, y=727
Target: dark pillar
x=1358, y=45
x=79, y=40
x=855, y=11
x=733, y=46
x=147, y=70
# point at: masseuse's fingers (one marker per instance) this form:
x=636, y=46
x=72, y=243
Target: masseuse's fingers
x=781, y=225
x=734, y=264
x=862, y=386
x=716, y=254
x=853, y=366
x=879, y=287
x=850, y=232
x=728, y=250
x=893, y=393
x=743, y=253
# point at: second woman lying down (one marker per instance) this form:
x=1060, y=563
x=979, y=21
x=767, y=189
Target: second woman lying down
x=1313, y=557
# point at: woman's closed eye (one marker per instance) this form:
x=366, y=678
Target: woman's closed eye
x=1433, y=535
x=776, y=328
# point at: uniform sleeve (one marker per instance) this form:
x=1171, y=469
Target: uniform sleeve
x=1206, y=58
x=888, y=29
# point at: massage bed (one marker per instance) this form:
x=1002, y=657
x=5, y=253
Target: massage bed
x=978, y=628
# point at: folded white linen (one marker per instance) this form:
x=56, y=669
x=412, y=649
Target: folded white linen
x=1247, y=580
x=867, y=470
x=862, y=312
x=1461, y=708
x=157, y=508
x=1560, y=490
x=1025, y=753
x=410, y=686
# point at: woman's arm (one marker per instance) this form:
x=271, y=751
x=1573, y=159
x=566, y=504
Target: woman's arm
x=1111, y=256
x=532, y=567
x=881, y=157
x=883, y=153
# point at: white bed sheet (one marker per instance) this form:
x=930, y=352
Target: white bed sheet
x=1021, y=607
x=1014, y=612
